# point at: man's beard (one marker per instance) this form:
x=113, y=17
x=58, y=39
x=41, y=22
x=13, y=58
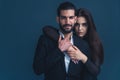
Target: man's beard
x=64, y=30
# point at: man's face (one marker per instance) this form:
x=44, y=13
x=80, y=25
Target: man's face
x=66, y=20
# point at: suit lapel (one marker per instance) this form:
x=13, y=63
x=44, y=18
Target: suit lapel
x=72, y=64
x=63, y=64
x=76, y=40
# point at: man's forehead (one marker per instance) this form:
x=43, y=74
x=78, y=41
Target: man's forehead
x=70, y=12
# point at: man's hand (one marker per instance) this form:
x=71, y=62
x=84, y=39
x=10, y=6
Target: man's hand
x=64, y=44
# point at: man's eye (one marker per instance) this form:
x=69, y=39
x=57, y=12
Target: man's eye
x=62, y=17
x=71, y=17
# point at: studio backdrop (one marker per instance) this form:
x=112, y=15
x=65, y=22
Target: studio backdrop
x=21, y=23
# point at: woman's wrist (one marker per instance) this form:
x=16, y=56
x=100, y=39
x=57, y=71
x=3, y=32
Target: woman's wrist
x=84, y=59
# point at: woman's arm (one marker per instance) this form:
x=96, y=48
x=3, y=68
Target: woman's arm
x=76, y=54
x=93, y=68
x=51, y=32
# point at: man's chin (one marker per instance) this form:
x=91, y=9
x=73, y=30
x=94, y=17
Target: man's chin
x=67, y=31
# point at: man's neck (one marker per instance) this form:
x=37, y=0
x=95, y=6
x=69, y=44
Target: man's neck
x=66, y=34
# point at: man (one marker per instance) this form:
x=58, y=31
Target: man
x=51, y=57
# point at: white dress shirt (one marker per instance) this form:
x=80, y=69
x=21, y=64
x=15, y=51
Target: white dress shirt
x=66, y=58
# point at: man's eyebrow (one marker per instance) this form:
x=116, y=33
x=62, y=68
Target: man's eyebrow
x=72, y=16
x=67, y=16
x=62, y=16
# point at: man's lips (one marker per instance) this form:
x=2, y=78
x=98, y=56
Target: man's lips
x=67, y=27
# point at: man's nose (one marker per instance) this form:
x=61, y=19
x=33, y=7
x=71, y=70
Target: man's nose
x=67, y=21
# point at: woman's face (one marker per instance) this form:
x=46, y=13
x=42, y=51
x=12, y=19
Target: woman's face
x=81, y=26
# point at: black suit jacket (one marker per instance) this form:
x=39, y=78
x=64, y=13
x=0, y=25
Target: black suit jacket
x=49, y=60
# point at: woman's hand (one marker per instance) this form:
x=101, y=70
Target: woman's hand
x=76, y=55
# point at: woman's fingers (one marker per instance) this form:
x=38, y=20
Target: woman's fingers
x=75, y=47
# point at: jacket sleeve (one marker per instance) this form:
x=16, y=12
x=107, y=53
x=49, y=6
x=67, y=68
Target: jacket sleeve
x=42, y=60
x=39, y=58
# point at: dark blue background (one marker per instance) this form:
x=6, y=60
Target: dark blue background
x=21, y=22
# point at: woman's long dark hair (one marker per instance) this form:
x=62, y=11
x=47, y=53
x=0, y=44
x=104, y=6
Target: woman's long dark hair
x=92, y=37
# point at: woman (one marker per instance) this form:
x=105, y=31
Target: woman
x=84, y=28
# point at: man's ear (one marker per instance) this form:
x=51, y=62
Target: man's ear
x=57, y=19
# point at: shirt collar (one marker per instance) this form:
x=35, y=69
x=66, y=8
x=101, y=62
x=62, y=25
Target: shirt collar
x=71, y=37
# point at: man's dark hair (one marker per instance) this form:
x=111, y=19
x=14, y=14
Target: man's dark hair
x=65, y=6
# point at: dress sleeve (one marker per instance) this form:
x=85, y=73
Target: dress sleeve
x=51, y=32
x=93, y=68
